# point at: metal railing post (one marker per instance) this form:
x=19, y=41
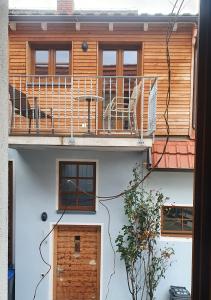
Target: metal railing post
x=142, y=111
x=71, y=112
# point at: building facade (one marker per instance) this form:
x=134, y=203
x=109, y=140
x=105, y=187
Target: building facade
x=87, y=97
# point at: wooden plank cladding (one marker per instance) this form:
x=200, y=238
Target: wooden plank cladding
x=85, y=63
x=153, y=60
x=77, y=262
x=181, y=58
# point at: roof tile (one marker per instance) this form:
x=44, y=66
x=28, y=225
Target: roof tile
x=178, y=154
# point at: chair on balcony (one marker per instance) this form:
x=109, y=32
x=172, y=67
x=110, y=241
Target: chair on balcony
x=124, y=107
x=20, y=105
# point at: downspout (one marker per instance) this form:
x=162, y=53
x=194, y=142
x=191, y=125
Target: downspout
x=193, y=83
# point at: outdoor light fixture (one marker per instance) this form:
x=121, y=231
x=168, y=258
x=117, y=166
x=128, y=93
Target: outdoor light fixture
x=84, y=46
x=44, y=216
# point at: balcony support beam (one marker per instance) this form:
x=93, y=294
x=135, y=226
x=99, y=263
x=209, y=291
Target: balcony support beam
x=12, y=26
x=146, y=26
x=78, y=26
x=99, y=143
x=175, y=27
x=44, y=26
x=111, y=27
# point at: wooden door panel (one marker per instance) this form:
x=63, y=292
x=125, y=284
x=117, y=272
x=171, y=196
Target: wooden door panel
x=76, y=262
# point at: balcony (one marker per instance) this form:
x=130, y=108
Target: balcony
x=73, y=107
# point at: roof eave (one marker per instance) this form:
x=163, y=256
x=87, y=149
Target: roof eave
x=159, y=169
x=103, y=18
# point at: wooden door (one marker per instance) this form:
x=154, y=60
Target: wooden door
x=123, y=61
x=77, y=262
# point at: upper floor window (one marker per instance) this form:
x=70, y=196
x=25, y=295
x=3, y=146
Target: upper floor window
x=51, y=60
x=120, y=60
x=177, y=221
x=77, y=185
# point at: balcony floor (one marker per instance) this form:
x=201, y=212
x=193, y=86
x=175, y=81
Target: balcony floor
x=109, y=143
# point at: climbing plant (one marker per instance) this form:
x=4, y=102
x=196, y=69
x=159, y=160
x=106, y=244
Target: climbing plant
x=145, y=262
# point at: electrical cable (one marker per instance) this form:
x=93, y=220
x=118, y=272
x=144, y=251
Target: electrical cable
x=166, y=116
x=112, y=247
x=42, y=257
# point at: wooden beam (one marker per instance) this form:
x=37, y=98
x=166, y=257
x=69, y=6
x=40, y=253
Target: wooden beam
x=12, y=26
x=146, y=26
x=44, y=26
x=111, y=26
x=77, y=26
x=175, y=27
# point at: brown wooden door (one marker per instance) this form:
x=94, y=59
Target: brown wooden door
x=123, y=61
x=76, y=262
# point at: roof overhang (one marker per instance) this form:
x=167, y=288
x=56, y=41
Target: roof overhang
x=144, y=18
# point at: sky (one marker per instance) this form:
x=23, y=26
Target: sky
x=143, y=6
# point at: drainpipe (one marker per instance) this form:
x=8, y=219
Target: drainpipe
x=3, y=148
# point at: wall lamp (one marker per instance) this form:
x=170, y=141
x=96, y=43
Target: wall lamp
x=44, y=216
x=84, y=46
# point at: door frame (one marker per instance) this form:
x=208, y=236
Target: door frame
x=119, y=47
x=51, y=253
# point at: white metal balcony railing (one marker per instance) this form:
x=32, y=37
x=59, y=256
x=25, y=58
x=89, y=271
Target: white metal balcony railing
x=71, y=105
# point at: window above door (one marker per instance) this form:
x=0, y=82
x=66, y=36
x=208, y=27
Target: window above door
x=77, y=186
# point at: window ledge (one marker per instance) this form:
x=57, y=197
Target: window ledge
x=75, y=212
x=175, y=239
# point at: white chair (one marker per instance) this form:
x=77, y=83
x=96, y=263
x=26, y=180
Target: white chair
x=118, y=108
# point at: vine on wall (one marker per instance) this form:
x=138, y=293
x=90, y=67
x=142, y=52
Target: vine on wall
x=145, y=262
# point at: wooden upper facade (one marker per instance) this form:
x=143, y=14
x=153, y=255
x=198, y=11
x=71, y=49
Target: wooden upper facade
x=67, y=36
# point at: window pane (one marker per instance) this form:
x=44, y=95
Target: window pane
x=130, y=63
x=172, y=212
x=62, y=57
x=85, y=185
x=187, y=213
x=69, y=170
x=86, y=171
x=41, y=62
x=86, y=200
x=109, y=63
x=41, y=69
x=41, y=56
x=172, y=224
x=68, y=185
x=187, y=225
x=130, y=57
x=62, y=70
x=62, y=62
x=109, y=57
x=68, y=199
